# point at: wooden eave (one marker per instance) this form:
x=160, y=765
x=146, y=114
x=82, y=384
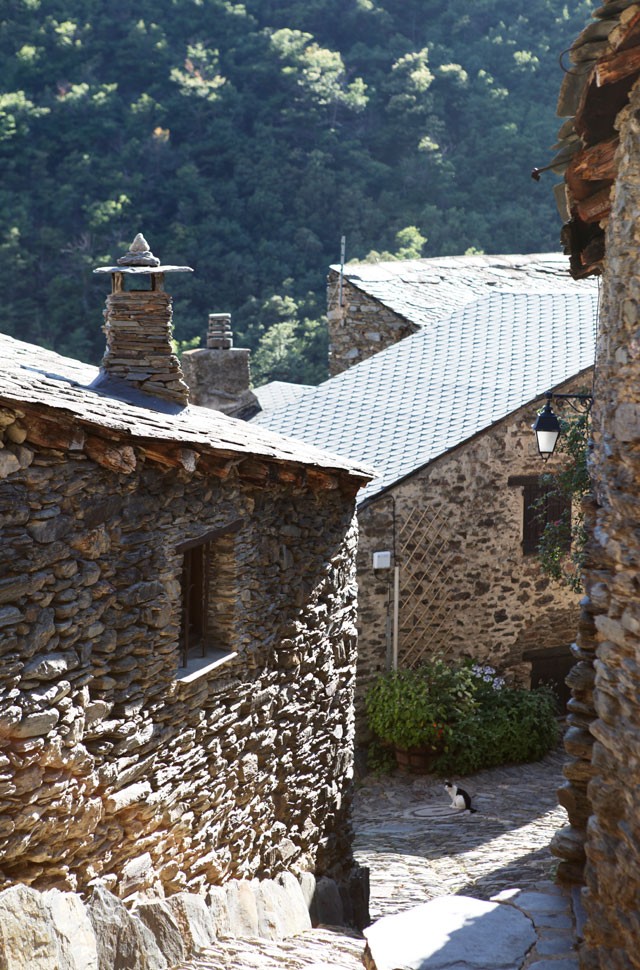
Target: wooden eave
x=599, y=107
x=122, y=452
x=591, y=172
x=596, y=163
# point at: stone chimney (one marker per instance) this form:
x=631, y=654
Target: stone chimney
x=138, y=326
x=218, y=375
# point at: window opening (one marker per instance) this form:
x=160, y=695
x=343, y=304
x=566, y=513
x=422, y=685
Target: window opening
x=196, y=577
x=207, y=610
x=541, y=504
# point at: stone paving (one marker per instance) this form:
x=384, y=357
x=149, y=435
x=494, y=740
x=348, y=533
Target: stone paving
x=417, y=850
x=413, y=858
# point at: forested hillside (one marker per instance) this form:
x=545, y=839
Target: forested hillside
x=245, y=139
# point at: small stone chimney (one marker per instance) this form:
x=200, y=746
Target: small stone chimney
x=138, y=326
x=218, y=375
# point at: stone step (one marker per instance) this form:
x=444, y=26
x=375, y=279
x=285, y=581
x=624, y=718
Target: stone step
x=318, y=949
x=451, y=933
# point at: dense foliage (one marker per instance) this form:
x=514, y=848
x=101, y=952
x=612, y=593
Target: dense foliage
x=463, y=713
x=245, y=139
x=417, y=708
x=510, y=726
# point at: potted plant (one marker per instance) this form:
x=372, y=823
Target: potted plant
x=413, y=710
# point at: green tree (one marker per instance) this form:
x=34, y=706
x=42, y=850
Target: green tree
x=245, y=139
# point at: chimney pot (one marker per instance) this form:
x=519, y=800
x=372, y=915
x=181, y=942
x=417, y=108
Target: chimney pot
x=219, y=334
x=218, y=374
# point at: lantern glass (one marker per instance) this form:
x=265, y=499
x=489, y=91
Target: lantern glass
x=547, y=442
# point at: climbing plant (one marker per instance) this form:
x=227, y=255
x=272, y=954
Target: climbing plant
x=562, y=545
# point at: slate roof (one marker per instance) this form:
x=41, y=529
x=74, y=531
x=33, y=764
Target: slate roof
x=31, y=375
x=276, y=393
x=425, y=290
x=414, y=401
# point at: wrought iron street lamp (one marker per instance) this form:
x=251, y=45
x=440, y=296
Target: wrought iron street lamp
x=547, y=426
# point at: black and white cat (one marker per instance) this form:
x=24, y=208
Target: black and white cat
x=460, y=799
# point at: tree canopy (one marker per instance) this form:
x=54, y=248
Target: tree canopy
x=244, y=139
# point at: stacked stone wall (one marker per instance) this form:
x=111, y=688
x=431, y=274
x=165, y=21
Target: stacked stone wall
x=612, y=871
x=486, y=598
x=359, y=326
x=569, y=842
x=111, y=766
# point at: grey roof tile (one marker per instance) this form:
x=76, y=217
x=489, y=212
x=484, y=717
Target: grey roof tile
x=276, y=393
x=424, y=291
x=411, y=403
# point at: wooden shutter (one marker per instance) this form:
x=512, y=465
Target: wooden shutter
x=536, y=516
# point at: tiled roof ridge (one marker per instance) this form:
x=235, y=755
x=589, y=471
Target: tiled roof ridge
x=425, y=291
x=456, y=257
x=427, y=302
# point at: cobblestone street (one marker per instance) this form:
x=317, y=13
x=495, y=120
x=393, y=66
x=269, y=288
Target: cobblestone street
x=415, y=854
x=413, y=858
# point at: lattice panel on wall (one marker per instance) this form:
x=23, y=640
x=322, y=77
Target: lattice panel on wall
x=425, y=606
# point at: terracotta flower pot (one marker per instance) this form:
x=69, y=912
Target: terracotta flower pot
x=418, y=761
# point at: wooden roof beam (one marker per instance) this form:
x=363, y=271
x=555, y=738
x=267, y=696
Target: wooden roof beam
x=596, y=162
x=616, y=67
x=597, y=207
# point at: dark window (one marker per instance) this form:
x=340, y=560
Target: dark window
x=209, y=589
x=551, y=667
x=540, y=505
x=196, y=584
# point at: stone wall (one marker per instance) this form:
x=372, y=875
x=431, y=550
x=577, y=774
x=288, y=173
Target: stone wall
x=613, y=843
x=54, y=930
x=569, y=842
x=477, y=594
x=219, y=379
x=359, y=327
x=112, y=767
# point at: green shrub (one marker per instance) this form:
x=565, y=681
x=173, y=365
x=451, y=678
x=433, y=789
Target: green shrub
x=508, y=727
x=464, y=713
x=415, y=708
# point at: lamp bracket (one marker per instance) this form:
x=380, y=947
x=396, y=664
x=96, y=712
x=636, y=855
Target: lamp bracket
x=584, y=405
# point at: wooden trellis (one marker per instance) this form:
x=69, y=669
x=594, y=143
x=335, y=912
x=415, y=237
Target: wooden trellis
x=424, y=606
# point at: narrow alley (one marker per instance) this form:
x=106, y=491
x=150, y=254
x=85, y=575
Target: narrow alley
x=417, y=849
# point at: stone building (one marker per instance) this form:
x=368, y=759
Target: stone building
x=177, y=624
x=446, y=559
x=600, y=152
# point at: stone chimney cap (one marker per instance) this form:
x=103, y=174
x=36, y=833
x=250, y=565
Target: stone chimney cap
x=140, y=259
x=139, y=254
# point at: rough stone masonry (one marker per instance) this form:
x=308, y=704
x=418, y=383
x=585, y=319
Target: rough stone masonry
x=612, y=840
x=112, y=766
x=120, y=762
